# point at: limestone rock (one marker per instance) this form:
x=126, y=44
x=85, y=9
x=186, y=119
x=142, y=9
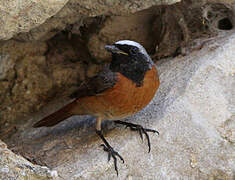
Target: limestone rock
x=20, y=16
x=6, y=65
x=164, y=30
x=22, y=81
x=30, y=74
x=136, y=27
x=13, y=166
x=193, y=109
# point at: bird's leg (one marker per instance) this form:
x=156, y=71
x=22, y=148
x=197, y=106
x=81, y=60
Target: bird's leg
x=106, y=146
x=140, y=129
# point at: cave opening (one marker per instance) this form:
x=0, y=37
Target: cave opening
x=225, y=24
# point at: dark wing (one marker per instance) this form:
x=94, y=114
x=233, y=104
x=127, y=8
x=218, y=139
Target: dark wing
x=105, y=79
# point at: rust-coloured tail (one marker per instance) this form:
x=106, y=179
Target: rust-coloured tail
x=56, y=117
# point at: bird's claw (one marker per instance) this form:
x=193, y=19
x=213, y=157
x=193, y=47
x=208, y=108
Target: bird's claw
x=140, y=129
x=112, y=153
x=144, y=131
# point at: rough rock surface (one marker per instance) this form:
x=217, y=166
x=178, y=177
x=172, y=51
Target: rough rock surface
x=13, y=166
x=22, y=15
x=163, y=30
x=18, y=16
x=193, y=111
x=28, y=78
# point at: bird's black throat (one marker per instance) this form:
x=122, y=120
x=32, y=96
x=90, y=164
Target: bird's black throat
x=132, y=67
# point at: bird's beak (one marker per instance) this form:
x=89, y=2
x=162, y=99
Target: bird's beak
x=114, y=49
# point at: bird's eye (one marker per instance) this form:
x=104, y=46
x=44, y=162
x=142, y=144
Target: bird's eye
x=133, y=50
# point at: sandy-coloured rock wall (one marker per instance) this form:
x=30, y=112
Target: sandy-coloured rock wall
x=48, y=48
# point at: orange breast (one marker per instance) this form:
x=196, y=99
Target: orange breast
x=123, y=99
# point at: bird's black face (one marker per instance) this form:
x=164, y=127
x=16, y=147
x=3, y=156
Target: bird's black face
x=130, y=59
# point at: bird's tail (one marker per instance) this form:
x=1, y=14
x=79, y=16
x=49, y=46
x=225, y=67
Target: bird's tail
x=56, y=117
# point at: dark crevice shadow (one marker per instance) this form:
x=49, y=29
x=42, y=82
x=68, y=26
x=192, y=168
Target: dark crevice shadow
x=225, y=24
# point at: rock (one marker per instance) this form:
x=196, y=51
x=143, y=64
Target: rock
x=30, y=74
x=13, y=166
x=193, y=109
x=22, y=16
x=94, y=8
x=23, y=80
x=163, y=30
x=135, y=27
x=5, y=66
x=218, y=17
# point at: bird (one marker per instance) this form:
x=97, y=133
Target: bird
x=122, y=88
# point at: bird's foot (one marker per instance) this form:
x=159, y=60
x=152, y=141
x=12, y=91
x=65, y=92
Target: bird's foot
x=140, y=129
x=111, y=152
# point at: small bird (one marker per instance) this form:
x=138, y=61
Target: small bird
x=122, y=88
